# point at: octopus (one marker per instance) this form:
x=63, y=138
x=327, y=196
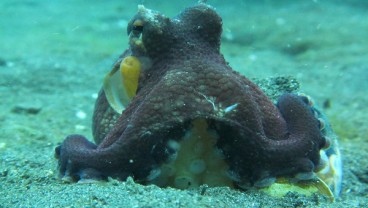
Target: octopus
x=172, y=112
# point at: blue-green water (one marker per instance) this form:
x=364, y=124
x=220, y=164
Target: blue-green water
x=54, y=55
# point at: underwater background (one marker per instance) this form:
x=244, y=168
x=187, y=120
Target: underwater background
x=54, y=55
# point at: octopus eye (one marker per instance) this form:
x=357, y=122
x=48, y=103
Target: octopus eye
x=137, y=28
x=135, y=31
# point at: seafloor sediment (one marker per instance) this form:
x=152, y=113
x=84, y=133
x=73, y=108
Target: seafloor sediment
x=55, y=54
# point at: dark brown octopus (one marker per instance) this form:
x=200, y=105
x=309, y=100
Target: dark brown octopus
x=187, y=78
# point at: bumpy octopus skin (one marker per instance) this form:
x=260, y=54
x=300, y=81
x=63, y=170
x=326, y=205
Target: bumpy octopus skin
x=187, y=78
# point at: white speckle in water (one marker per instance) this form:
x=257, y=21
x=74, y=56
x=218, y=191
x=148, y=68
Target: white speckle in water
x=228, y=35
x=252, y=57
x=2, y=145
x=81, y=114
x=80, y=127
x=94, y=95
x=280, y=21
x=123, y=23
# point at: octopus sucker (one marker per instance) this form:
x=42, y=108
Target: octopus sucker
x=191, y=168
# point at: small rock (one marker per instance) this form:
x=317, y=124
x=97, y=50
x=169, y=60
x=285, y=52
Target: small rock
x=2, y=62
x=26, y=109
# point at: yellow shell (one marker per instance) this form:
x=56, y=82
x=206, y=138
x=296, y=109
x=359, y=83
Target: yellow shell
x=121, y=83
x=130, y=69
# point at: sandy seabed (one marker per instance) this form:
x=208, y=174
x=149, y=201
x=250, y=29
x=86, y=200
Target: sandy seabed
x=54, y=54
